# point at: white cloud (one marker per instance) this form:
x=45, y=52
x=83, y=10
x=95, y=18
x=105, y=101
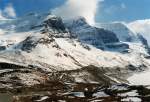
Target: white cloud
x=75, y=8
x=9, y=11
x=115, y=8
x=142, y=27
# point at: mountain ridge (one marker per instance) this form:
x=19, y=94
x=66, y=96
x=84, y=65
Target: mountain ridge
x=52, y=44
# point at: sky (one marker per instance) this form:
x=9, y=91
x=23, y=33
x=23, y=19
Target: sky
x=92, y=10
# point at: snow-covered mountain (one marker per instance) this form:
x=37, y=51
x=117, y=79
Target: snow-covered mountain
x=49, y=44
x=141, y=27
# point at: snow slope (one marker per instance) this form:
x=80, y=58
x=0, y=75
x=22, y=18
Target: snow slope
x=140, y=78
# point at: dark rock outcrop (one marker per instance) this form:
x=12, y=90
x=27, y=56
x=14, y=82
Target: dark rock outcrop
x=107, y=36
x=31, y=42
x=2, y=48
x=118, y=45
x=91, y=35
x=55, y=25
x=144, y=42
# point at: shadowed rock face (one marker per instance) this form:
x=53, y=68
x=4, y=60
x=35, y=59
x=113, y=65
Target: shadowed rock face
x=28, y=44
x=121, y=30
x=91, y=35
x=56, y=24
x=144, y=42
x=31, y=42
x=2, y=48
x=107, y=36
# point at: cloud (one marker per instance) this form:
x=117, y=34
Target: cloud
x=115, y=8
x=142, y=27
x=9, y=11
x=76, y=8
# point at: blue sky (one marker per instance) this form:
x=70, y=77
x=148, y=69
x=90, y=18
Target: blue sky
x=108, y=10
x=124, y=10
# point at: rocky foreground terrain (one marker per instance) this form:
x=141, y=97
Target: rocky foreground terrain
x=57, y=91
x=61, y=86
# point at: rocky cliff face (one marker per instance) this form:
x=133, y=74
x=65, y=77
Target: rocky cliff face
x=121, y=30
x=144, y=42
x=91, y=35
x=55, y=24
x=31, y=42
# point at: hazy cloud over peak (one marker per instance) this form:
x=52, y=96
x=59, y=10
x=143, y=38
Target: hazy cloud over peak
x=75, y=8
x=8, y=12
